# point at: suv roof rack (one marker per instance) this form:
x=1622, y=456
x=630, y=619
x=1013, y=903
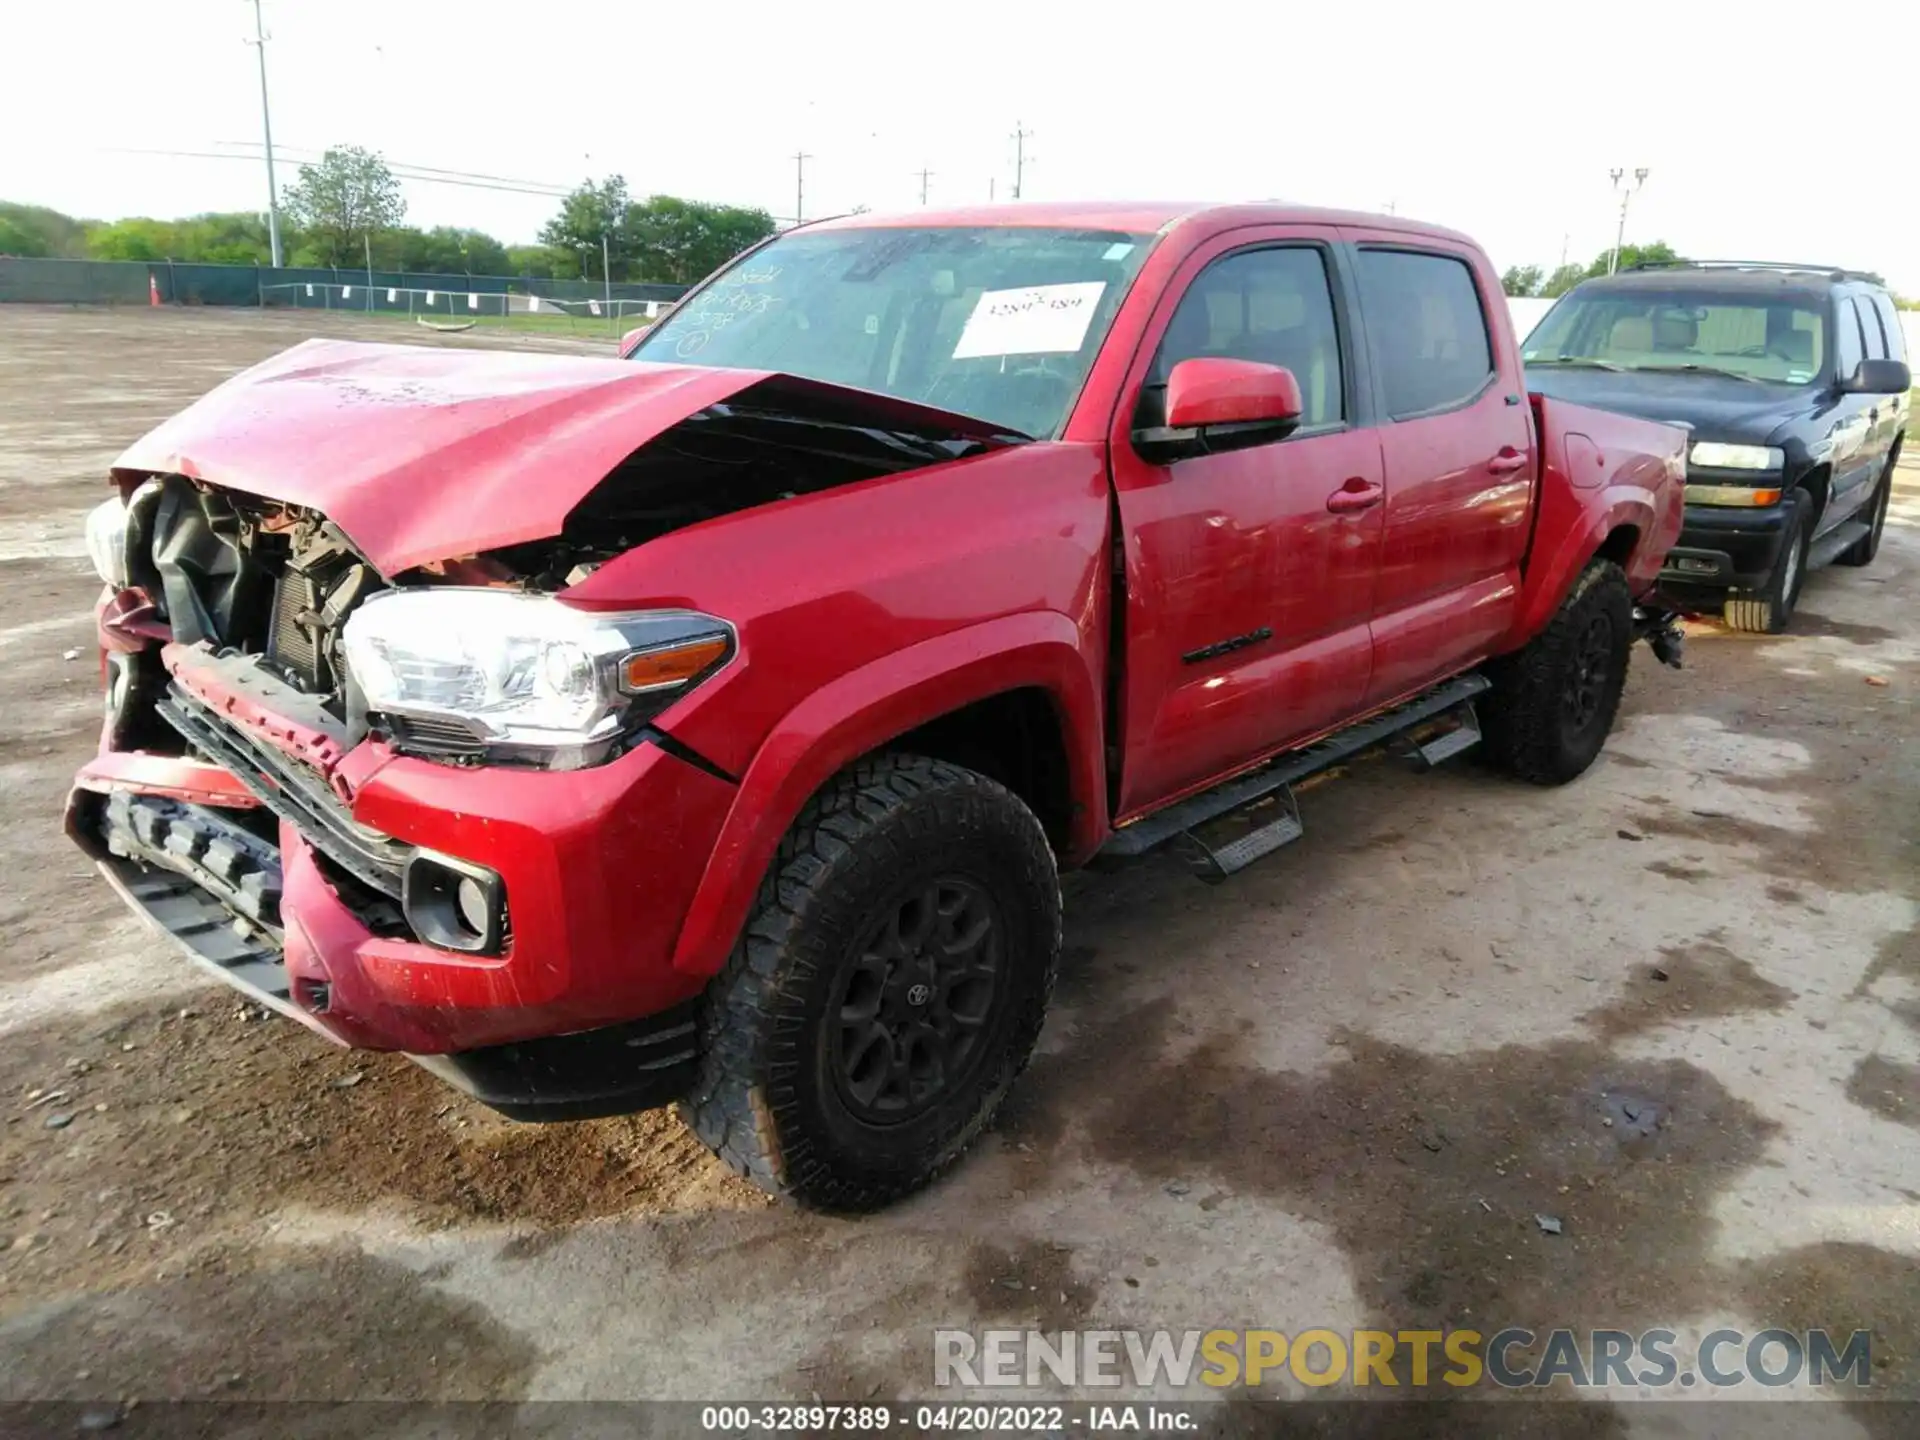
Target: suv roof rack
x=1832, y=272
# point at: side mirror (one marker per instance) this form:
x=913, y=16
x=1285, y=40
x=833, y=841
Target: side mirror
x=1215, y=405
x=631, y=339
x=1878, y=377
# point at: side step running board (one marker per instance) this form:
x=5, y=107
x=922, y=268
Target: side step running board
x=1822, y=551
x=1281, y=773
x=1449, y=743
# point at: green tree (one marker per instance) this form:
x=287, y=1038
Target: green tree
x=37, y=230
x=344, y=201
x=444, y=250
x=587, y=215
x=1522, y=280
x=1563, y=279
x=681, y=241
x=134, y=239
x=537, y=261
x=1657, y=252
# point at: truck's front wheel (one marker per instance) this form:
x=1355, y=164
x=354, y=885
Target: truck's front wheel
x=887, y=989
x=1553, y=701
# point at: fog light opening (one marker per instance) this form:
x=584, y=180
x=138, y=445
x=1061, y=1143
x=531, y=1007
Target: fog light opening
x=454, y=904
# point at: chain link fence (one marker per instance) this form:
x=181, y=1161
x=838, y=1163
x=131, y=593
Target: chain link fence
x=134, y=282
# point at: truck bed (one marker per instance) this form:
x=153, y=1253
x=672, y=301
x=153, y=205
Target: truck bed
x=1606, y=483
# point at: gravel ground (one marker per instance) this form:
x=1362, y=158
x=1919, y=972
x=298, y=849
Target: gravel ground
x=1675, y=1005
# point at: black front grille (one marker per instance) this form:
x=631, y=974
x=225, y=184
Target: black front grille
x=291, y=646
x=291, y=791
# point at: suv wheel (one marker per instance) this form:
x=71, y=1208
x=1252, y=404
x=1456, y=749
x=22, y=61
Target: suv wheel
x=1553, y=701
x=887, y=988
x=1767, y=611
x=1862, y=551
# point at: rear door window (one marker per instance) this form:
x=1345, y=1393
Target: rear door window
x=1890, y=322
x=1428, y=329
x=1871, y=330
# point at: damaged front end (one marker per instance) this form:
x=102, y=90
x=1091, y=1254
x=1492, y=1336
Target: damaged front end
x=329, y=752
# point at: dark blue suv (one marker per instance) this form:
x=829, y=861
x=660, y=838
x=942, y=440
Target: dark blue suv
x=1793, y=380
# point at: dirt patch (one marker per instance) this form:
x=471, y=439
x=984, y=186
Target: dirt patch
x=1899, y=959
x=1806, y=623
x=1841, y=1288
x=1032, y=1283
x=1673, y=870
x=1689, y=982
x=1431, y=1170
x=209, y=1117
x=1783, y=894
x=319, y=1323
x=1888, y=1088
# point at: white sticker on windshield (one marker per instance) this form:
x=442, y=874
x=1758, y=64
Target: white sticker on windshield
x=1119, y=250
x=1037, y=320
x=1799, y=377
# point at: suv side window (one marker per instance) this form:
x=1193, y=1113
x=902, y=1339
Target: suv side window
x=1849, y=346
x=1890, y=322
x=1871, y=329
x=1271, y=305
x=1428, y=329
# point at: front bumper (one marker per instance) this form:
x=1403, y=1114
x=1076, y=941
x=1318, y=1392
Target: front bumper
x=597, y=867
x=1725, y=547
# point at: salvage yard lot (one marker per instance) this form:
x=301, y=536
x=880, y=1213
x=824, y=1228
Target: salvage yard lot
x=1675, y=1006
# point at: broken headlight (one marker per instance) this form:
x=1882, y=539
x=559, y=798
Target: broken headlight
x=107, y=541
x=512, y=677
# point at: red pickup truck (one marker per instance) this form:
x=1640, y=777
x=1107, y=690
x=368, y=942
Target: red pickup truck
x=710, y=724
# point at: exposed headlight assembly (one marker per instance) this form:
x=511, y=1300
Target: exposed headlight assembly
x=107, y=541
x=516, y=678
x=1711, y=455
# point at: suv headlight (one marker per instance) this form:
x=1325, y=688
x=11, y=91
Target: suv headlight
x=512, y=677
x=107, y=541
x=1711, y=455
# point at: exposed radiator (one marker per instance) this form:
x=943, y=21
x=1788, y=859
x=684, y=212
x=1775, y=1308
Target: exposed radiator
x=290, y=645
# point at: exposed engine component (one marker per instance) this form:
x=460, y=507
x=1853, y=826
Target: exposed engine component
x=253, y=577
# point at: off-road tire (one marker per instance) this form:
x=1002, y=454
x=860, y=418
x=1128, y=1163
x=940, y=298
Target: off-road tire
x=771, y=1098
x=1863, y=550
x=1553, y=701
x=1767, y=611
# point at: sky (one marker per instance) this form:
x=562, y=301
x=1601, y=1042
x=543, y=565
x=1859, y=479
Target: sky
x=1762, y=138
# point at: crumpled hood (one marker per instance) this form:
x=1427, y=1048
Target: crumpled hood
x=421, y=453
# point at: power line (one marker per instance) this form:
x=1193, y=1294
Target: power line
x=294, y=152
x=1020, y=137
x=400, y=172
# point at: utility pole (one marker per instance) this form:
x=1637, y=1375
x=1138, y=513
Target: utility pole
x=259, y=43
x=800, y=158
x=1626, y=198
x=606, y=271
x=924, y=174
x=1020, y=137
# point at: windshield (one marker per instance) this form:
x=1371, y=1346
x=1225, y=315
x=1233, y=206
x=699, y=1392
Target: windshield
x=997, y=323
x=1782, y=341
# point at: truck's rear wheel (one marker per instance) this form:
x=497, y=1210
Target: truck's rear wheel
x=1553, y=701
x=887, y=988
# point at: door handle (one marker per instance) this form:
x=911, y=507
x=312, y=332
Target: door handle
x=1357, y=494
x=1506, y=462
